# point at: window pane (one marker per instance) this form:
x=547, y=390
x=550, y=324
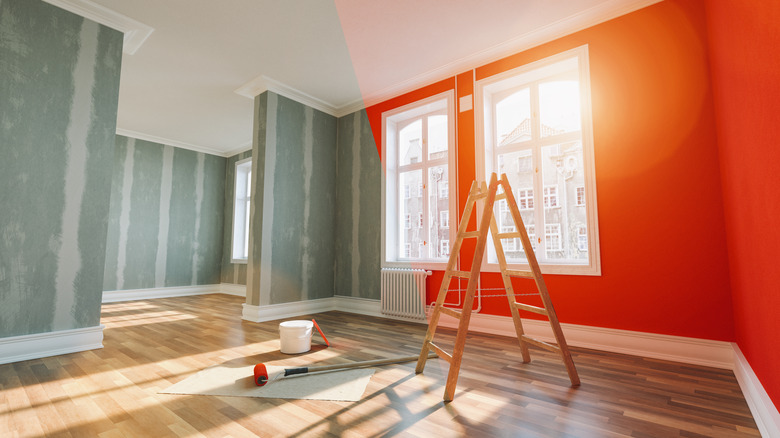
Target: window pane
x=439, y=203
x=518, y=167
x=410, y=141
x=563, y=174
x=437, y=137
x=559, y=107
x=411, y=209
x=513, y=118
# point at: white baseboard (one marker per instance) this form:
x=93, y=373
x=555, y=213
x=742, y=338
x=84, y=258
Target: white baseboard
x=716, y=354
x=361, y=306
x=26, y=347
x=113, y=296
x=238, y=290
x=287, y=310
x=761, y=406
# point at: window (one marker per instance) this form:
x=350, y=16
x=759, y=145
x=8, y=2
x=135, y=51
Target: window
x=444, y=190
x=538, y=116
x=525, y=199
x=550, y=197
x=552, y=238
x=582, y=238
x=580, y=196
x=418, y=152
x=243, y=192
x=525, y=163
x=445, y=247
x=407, y=222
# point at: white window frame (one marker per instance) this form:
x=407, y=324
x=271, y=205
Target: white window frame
x=390, y=208
x=484, y=90
x=239, y=252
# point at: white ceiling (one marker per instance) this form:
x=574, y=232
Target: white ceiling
x=181, y=86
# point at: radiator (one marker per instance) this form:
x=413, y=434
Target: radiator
x=403, y=292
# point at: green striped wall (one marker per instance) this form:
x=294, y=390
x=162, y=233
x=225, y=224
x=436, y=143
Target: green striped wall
x=166, y=217
x=294, y=201
x=358, y=209
x=59, y=84
x=233, y=273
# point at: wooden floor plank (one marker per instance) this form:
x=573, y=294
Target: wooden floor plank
x=149, y=345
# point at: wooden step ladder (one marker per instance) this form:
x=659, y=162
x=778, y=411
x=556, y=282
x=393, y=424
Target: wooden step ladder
x=489, y=195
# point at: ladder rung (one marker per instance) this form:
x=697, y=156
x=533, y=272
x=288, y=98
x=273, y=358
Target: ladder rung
x=479, y=195
x=541, y=344
x=512, y=235
x=439, y=352
x=500, y=196
x=516, y=273
x=451, y=312
x=526, y=307
x=469, y=234
x=461, y=274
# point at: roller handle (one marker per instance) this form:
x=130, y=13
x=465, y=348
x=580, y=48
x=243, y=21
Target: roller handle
x=299, y=370
x=365, y=363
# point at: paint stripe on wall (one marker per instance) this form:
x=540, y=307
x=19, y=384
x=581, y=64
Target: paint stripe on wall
x=69, y=256
x=266, y=263
x=165, y=216
x=167, y=222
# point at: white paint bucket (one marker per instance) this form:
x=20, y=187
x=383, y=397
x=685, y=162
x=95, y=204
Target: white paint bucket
x=295, y=336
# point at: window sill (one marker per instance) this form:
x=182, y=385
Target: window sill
x=239, y=261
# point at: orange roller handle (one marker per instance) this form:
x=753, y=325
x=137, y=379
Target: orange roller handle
x=321, y=334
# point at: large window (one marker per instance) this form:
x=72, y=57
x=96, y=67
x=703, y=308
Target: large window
x=243, y=192
x=534, y=125
x=418, y=154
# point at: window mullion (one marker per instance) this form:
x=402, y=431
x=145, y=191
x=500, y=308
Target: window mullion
x=538, y=177
x=425, y=199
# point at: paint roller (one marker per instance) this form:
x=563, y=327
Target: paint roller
x=265, y=374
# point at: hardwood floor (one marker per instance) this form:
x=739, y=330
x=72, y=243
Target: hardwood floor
x=150, y=345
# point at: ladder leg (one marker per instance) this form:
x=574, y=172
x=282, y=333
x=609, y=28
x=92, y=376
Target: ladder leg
x=510, y=292
x=445, y=284
x=468, y=304
x=540, y=285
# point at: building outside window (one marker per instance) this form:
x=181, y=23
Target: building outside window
x=418, y=153
x=539, y=117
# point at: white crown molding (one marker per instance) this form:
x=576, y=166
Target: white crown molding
x=113, y=296
x=135, y=32
x=235, y=151
x=263, y=83
x=26, y=347
x=169, y=142
x=350, y=107
x=598, y=14
x=761, y=406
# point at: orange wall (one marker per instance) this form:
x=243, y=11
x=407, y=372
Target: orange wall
x=664, y=259
x=744, y=38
